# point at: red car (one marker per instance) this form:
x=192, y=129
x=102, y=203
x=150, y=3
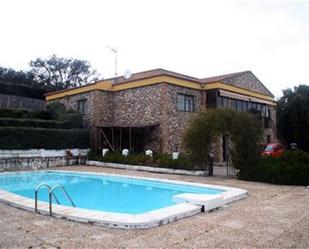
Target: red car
x=273, y=149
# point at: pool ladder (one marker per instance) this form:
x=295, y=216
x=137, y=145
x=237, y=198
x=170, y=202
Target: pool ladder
x=51, y=194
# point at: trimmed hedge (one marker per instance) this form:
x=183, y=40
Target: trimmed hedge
x=39, y=123
x=158, y=160
x=25, y=114
x=39, y=138
x=290, y=169
x=14, y=113
x=35, y=123
x=67, y=119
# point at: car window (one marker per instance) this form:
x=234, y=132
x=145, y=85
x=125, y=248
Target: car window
x=268, y=148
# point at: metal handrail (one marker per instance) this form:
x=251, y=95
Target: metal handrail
x=36, y=195
x=51, y=195
x=51, y=192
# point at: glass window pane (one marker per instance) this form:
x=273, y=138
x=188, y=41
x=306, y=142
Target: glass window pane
x=233, y=104
x=81, y=106
x=185, y=102
x=219, y=102
x=238, y=106
x=245, y=106
x=180, y=102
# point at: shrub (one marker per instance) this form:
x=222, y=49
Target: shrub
x=14, y=113
x=56, y=116
x=37, y=138
x=59, y=112
x=158, y=160
x=31, y=123
x=243, y=129
x=41, y=115
x=290, y=169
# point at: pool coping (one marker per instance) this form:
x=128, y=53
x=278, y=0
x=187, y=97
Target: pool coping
x=194, y=204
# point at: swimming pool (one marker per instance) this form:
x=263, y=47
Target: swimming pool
x=118, y=196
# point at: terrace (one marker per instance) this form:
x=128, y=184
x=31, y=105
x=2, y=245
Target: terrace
x=272, y=216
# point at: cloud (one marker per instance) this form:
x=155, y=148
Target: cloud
x=199, y=38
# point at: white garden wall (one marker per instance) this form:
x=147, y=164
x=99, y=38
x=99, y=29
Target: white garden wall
x=39, y=158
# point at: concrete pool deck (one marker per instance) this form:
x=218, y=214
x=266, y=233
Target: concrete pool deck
x=272, y=216
x=186, y=204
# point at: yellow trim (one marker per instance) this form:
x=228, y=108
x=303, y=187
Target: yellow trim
x=156, y=80
x=235, y=89
x=108, y=86
x=102, y=85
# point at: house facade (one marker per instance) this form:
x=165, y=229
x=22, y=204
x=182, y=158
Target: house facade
x=151, y=109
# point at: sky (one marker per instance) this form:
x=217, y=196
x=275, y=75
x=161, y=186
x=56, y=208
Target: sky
x=197, y=38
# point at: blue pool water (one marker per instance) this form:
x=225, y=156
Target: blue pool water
x=98, y=192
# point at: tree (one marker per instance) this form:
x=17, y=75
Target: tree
x=62, y=73
x=10, y=76
x=243, y=129
x=293, y=116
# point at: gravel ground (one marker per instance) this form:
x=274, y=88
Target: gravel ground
x=271, y=217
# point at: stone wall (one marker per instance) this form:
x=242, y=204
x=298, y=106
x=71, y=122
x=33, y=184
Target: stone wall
x=174, y=122
x=272, y=130
x=39, y=159
x=154, y=105
x=103, y=108
x=137, y=107
x=7, y=164
x=12, y=101
x=72, y=102
x=40, y=153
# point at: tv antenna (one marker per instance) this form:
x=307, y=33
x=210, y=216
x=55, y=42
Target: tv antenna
x=115, y=51
x=127, y=74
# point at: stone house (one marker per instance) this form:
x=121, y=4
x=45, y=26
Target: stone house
x=151, y=109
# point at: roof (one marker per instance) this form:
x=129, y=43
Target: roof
x=246, y=80
x=222, y=77
x=153, y=73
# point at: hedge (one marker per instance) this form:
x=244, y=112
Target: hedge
x=39, y=123
x=35, y=123
x=290, y=169
x=40, y=138
x=158, y=160
x=14, y=113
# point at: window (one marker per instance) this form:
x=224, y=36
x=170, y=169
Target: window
x=238, y=105
x=233, y=104
x=81, y=106
x=220, y=102
x=185, y=102
x=225, y=102
x=245, y=106
x=212, y=99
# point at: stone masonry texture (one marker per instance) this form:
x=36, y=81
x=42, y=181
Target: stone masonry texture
x=152, y=106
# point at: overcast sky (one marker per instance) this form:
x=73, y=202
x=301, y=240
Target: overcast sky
x=198, y=38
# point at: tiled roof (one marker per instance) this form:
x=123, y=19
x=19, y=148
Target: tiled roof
x=222, y=77
x=245, y=79
x=153, y=73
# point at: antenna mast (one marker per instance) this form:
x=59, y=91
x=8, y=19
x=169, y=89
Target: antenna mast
x=115, y=51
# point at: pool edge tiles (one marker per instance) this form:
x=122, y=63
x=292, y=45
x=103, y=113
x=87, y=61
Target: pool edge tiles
x=191, y=205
